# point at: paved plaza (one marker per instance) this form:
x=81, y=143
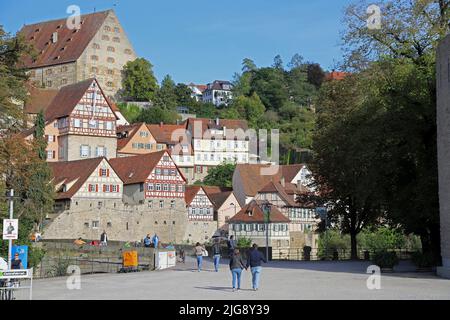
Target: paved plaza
x=280, y=280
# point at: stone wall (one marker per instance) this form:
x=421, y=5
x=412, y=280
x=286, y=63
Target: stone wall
x=71, y=146
x=200, y=231
x=122, y=223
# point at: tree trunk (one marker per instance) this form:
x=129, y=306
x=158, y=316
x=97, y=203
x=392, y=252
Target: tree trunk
x=354, y=245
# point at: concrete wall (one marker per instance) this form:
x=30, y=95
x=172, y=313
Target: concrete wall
x=443, y=124
x=200, y=231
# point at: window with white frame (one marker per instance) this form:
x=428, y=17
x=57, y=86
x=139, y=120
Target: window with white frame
x=101, y=151
x=84, y=151
x=95, y=224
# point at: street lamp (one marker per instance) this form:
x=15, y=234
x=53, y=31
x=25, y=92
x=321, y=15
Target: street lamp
x=266, y=207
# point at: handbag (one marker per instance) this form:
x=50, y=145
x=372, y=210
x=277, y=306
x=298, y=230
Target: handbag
x=204, y=253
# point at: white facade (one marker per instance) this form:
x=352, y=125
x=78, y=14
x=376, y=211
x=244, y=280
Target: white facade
x=209, y=152
x=278, y=233
x=218, y=93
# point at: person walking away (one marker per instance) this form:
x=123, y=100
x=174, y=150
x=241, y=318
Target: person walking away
x=199, y=251
x=231, y=244
x=254, y=259
x=182, y=255
x=104, y=239
x=216, y=253
x=236, y=266
x=147, y=241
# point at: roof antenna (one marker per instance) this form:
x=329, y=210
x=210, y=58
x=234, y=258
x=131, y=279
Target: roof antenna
x=95, y=9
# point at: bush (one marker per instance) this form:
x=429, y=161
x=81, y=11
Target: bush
x=423, y=260
x=244, y=242
x=330, y=241
x=383, y=238
x=385, y=259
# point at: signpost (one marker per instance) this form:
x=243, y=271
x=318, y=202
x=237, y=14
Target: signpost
x=10, y=227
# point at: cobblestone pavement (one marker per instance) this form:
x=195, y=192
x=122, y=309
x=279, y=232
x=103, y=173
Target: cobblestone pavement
x=280, y=280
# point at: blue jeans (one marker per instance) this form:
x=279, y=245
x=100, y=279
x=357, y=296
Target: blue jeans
x=216, y=262
x=199, y=262
x=236, y=273
x=256, y=274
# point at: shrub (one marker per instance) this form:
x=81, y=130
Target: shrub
x=244, y=242
x=423, y=260
x=385, y=259
x=383, y=238
x=330, y=241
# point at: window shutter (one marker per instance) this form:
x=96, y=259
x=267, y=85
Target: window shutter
x=118, y=188
x=81, y=151
x=100, y=172
x=96, y=188
x=54, y=154
x=104, y=188
x=107, y=172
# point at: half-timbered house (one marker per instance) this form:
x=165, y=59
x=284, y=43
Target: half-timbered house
x=85, y=121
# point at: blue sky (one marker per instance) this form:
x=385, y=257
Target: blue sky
x=203, y=40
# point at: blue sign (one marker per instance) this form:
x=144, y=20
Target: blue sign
x=23, y=254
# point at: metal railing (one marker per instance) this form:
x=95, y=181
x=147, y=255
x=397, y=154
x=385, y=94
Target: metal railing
x=299, y=254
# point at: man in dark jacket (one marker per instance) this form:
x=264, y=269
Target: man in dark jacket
x=231, y=244
x=254, y=262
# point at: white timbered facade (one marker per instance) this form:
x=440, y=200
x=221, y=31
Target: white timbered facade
x=165, y=181
x=200, y=207
x=89, y=129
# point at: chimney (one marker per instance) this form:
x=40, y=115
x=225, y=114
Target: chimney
x=283, y=182
x=55, y=37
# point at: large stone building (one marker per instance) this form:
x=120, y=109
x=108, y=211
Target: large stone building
x=154, y=185
x=98, y=48
x=88, y=197
x=443, y=127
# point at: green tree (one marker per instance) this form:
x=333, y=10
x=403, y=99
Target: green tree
x=156, y=115
x=12, y=79
x=166, y=97
x=139, y=83
x=130, y=111
x=251, y=108
x=221, y=175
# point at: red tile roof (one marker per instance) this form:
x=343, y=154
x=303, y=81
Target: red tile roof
x=136, y=169
x=67, y=99
x=253, y=213
x=336, y=75
x=69, y=171
x=38, y=99
x=193, y=124
x=191, y=192
x=70, y=43
x=253, y=179
x=276, y=187
x=168, y=133
x=217, y=195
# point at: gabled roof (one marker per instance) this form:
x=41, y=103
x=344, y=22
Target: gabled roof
x=276, y=187
x=38, y=99
x=191, y=192
x=136, y=169
x=253, y=213
x=165, y=133
x=217, y=195
x=253, y=180
x=69, y=171
x=67, y=99
x=131, y=129
x=219, y=85
x=70, y=43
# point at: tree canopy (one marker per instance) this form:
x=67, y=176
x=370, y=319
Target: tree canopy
x=139, y=83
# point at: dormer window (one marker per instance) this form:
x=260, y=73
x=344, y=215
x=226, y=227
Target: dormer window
x=250, y=213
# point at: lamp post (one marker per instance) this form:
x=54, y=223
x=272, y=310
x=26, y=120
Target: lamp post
x=266, y=209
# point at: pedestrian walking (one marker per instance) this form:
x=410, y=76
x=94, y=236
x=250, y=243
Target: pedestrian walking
x=254, y=259
x=236, y=267
x=182, y=255
x=104, y=239
x=231, y=244
x=199, y=252
x=216, y=253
